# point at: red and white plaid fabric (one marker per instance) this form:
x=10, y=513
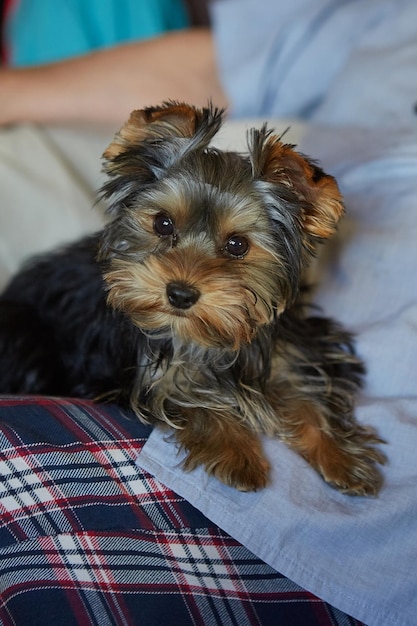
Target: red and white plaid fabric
x=86, y=537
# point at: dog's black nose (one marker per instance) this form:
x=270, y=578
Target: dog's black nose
x=182, y=296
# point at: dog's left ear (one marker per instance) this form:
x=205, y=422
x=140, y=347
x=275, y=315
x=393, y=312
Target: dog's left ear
x=170, y=121
x=316, y=193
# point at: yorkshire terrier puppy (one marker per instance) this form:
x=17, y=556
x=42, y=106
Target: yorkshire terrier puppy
x=187, y=306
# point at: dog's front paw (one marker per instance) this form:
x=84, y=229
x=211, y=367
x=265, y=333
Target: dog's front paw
x=243, y=470
x=228, y=451
x=353, y=466
x=356, y=477
x=245, y=473
x=225, y=448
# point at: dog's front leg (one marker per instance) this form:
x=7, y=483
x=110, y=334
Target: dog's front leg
x=225, y=448
x=345, y=454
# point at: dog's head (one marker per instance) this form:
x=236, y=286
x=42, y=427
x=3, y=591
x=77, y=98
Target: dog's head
x=204, y=244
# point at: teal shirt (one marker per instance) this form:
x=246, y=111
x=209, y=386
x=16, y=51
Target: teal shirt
x=44, y=31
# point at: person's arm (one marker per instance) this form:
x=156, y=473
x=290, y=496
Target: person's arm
x=105, y=86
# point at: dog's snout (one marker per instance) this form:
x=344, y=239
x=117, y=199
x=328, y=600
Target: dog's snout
x=182, y=296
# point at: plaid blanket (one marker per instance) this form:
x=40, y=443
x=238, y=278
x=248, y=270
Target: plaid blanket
x=86, y=537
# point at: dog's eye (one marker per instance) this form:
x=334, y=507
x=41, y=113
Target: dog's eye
x=163, y=225
x=237, y=246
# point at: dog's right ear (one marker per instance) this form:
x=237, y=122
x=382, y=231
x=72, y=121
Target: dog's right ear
x=151, y=141
x=185, y=126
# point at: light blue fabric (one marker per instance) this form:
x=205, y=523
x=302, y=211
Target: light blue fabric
x=333, y=61
x=43, y=31
x=358, y=554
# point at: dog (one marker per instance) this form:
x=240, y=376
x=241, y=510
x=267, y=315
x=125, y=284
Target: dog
x=189, y=306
